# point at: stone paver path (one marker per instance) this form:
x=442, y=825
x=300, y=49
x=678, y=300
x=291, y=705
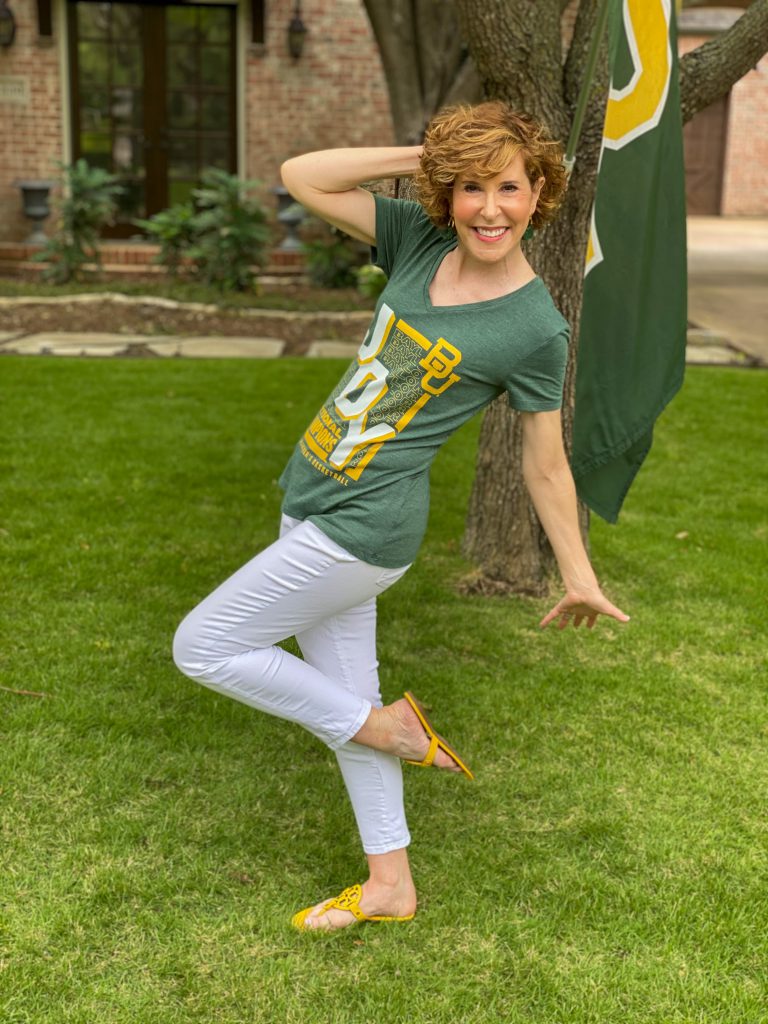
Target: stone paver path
x=704, y=347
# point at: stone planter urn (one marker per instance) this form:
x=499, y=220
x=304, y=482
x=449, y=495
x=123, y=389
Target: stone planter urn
x=34, y=196
x=290, y=214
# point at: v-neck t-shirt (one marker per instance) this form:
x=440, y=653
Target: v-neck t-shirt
x=360, y=472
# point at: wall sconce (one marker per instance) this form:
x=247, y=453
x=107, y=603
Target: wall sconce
x=297, y=32
x=7, y=24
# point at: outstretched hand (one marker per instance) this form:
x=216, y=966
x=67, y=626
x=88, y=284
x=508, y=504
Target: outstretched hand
x=584, y=604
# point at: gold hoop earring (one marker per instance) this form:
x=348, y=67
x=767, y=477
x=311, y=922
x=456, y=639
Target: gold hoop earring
x=451, y=223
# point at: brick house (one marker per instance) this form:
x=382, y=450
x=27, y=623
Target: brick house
x=155, y=91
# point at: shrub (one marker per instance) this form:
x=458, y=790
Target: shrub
x=87, y=203
x=173, y=230
x=371, y=281
x=332, y=260
x=231, y=232
x=224, y=233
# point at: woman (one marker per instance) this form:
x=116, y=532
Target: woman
x=463, y=318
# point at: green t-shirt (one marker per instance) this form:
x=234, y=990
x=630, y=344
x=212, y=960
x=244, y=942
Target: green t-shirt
x=361, y=470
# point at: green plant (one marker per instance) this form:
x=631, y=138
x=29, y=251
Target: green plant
x=230, y=231
x=371, y=281
x=223, y=233
x=174, y=230
x=88, y=202
x=331, y=261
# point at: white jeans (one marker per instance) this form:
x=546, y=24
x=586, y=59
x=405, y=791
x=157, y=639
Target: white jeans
x=305, y=585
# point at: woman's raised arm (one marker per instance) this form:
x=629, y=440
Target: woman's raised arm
x=328, y=183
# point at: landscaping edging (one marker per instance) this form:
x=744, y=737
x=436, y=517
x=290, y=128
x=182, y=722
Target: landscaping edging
x=145, y=319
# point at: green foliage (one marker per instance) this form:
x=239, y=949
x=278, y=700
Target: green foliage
x=371, y=281
x=174, y=231
x=332, y=260
x=230, y=228
x=223, y=232
x=88, y=202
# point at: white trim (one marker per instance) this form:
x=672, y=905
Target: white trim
x=61, y=34
x=241, y=30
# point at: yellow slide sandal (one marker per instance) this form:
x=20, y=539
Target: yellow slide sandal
x=347, y=900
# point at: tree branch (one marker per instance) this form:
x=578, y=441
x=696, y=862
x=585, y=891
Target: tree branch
x=709, y=71
x=515, y=45
x=394, y=30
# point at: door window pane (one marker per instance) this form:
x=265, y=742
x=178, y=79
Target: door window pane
x=182, y=110
x=127, y=108
x=181, y=24
x=131, y=203
x=93, y=63
x=126, y=22
x=214, y=65
x=182, y=66
x=214, y=111
x=215, y=152
x=182, y=157
x=94, y=111
x=127, y=64
x=92, y=21
x=180, y=191
x=96, y=147
x=125, y=154
x=214, y=24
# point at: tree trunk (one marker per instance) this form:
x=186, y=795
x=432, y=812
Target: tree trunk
x=503, y=535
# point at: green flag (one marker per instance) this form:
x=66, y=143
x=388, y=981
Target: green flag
x=631, y=356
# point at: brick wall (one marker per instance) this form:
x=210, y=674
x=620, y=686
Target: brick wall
x=334, y=95
x=30, y=114
x=745, y=175
x=745, y=189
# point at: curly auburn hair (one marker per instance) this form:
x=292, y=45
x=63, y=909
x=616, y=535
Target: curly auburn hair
x=483, y=140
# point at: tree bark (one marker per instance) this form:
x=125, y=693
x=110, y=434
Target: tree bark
x=709, y=71
x=426, y=62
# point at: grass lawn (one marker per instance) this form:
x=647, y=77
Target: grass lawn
x=609, y=864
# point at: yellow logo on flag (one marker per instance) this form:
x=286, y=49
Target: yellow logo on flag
x=637, y=107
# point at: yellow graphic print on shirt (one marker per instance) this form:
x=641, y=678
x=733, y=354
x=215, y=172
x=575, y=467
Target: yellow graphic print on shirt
x=397, y=372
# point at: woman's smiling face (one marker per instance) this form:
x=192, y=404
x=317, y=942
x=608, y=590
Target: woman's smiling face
x=491, y=214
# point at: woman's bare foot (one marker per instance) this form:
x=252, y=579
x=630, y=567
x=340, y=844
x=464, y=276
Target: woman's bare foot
x=398, y=900
x=396, y=729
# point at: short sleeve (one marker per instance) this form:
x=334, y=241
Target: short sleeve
x=394, y=219
x=537, y=383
